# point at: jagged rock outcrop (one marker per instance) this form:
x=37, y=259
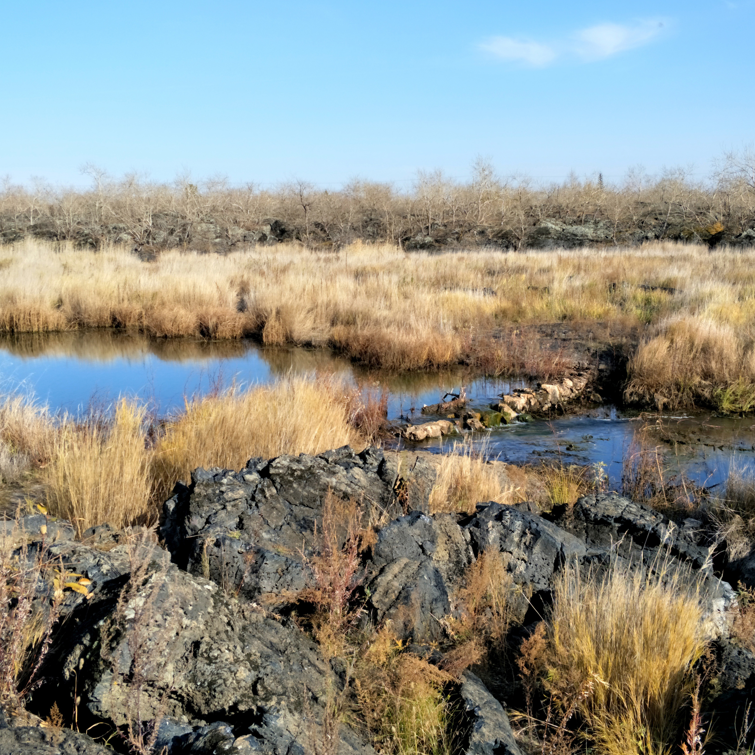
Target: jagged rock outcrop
x=251, y=531
x=735, y=672
x=151, y=638
x=416, y=563
x=176, y=646
x=34, y=740
x=533, y=548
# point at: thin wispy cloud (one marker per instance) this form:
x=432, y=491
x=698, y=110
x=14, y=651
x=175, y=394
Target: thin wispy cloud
x=593, y=43
x=606, y=40
x=531, y=53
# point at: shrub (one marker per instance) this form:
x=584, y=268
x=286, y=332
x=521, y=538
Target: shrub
x=401, y=699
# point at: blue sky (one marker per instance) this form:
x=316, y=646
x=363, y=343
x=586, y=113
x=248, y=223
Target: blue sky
x=329, y=91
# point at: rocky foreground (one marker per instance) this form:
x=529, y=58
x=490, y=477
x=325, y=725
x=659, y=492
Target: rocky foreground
x=200, y=634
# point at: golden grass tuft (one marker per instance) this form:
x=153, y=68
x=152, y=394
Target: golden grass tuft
x=690, y=359
x=465, y=479
x=100, y=470
x=620, y=651
x=118, y=467
x=564, y=483
x=25, y=433
x=295, y=415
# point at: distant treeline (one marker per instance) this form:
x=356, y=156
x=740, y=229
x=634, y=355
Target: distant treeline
x=436, y=213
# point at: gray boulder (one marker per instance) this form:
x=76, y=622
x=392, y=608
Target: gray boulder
x=608, y=520
x=490, y=731
x=32, y=740
x=534, y=549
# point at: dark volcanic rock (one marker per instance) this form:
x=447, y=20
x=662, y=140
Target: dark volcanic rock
x=490, y=732
x=416, y=563
x=250, y=531
x=736, y=681
x=179, y=647
x=637, y=534
x=31, y=740
x=613, y=522
x=533, y=548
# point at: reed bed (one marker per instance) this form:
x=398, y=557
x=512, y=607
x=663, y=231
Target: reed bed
x=390, y=309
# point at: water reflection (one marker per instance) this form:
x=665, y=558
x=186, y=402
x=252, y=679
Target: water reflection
x=67, y=370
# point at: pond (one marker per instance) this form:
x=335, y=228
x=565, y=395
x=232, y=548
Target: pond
x=70, y=370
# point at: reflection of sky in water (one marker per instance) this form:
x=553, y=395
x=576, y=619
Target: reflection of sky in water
x=70, y=383
x=68, y=370
x=604, y=436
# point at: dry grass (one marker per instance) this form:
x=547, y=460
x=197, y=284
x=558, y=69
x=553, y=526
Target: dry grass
x=295, y=415
x=26, y=616
x=734, y=510
x=25, y=437
x=696, y=359
x=465, y=479
x=387, y=308
x=620, y=651
x=484, y=600
x=564, y=483
x=117, y=465
x=647, y=477
x=100, y=470
x=401, y=699
x=743, y=620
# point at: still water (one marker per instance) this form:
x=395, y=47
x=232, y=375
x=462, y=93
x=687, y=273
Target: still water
x=68, y=371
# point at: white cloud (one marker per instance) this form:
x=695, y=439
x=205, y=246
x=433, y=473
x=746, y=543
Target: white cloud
x=531, y=53
x=593, y=43
x=606, y=40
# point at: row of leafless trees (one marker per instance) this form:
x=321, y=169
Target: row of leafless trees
x=488, y=210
